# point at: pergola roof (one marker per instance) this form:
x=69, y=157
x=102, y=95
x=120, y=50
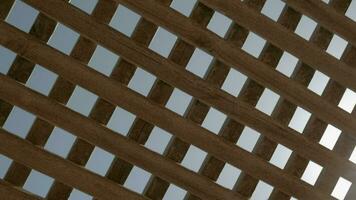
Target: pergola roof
x=204, y=93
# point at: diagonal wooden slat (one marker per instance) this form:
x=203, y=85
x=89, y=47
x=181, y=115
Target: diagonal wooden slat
x=10, y=192
x=83, y=50
x=327, y=17
x=58, y=167
x=285, y=110
x=160, y=93
x=106, y=139
x=315, y=127
x=286, y=40
x=21, y=69
x=197, y=110
x=165, y=70
x=102, y=110
x=113, y=92
x=344, y=147
x=62, y=90
x=242, y=61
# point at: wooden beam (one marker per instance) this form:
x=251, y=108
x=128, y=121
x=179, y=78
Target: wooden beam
x=62, y=90
x=231, y=56
x=315, y=128
x=284, y=109
x=160, y=93
x=287, y=40
x=115, y=143
x=10, y=192
x=326, y=17
x=21, y=70
x=59, y=168
x=111, y=90
x=176, y=76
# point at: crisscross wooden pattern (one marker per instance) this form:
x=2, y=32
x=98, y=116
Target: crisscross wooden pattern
x=171, y=72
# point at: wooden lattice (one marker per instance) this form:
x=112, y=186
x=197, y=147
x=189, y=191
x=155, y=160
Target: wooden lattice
x=91, y=130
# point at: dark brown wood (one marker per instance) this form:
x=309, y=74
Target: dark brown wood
x=234, y=57
x=100, y=136
x=327, y=17
x=112, y=91
x=60, y=168
x=285, y=39
x=5, y=7
x=10, y=192
x=284, y=109
x=207, y=93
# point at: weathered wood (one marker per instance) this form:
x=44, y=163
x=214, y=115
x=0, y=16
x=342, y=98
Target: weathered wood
x=327, y=17
x=60, y=168
x=158, y=115
x=9, y=192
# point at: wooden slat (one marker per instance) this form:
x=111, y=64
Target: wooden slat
x=327, y=17
x=286, y=40
x=57, y=167
x=61, y=92
x=234, y=57
x=197, y=110
x=9, y=192
x=83, y=50
x=21, y=69
x=284, y=110
x=103, y=110
x=160, y=93
x=108, y=140
x=344, y=147
x=113, y=92
x=315, y=127
x=212, y=96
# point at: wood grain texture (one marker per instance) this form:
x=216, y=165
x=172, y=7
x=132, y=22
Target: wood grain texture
x=176, y=76
x=61, y=92
x=284, y=109
x=235, y=57
x=285, y=39
x=21, y=70
x=98, y=135
x=9, y=192
x=188, y=131
x=327, y=17
x=58, y=167
x=316, y=127
x=240, y=112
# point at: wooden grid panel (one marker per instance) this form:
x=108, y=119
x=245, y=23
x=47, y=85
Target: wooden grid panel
x=234, y=116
